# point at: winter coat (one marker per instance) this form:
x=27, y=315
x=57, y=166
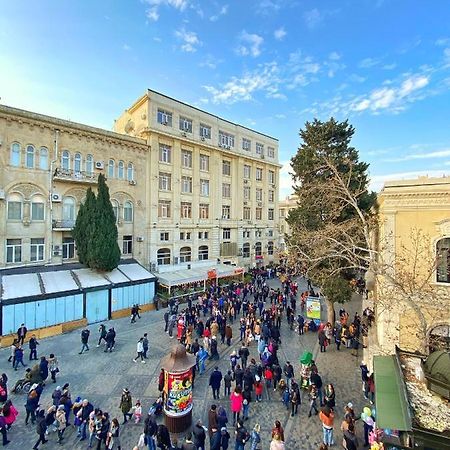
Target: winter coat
x=236, y=402
x=126, y=403
x=199, y=435
x=214, y=441
x=60, y=416
x=215, y=379
x=11, y=416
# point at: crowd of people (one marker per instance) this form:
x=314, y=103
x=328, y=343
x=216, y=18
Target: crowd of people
x=247, y=315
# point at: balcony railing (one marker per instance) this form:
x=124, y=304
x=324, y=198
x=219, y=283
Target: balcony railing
x=72, y=175
x=63, y=225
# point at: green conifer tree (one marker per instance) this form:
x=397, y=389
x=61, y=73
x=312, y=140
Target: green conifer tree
x=84, y=226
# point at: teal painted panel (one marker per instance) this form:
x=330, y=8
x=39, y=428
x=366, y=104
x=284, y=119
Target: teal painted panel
x=97, y=306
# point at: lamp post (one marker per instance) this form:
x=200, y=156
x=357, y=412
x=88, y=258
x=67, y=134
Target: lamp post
x=178, y=380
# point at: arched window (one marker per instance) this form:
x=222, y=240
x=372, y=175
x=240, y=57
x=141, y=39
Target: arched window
x=29, y=161
x=128, y=211
x=15, y=207
x=111, y=168
x=246, y=250
x=65, y=160
x=37, y=208
x=68, y=212
x=43, y=158
x=439, y=338
x=77, y=163
x=15, y=154
x=185, y=254
x=121, y=170
x=89, y=164
x=203, y=253
x=258, y=249
x=270, y=248
x=443, y=260
x=115, y=205
x=130, y=172
x=163, y=256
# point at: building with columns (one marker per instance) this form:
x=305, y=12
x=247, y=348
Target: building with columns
x=188, y=187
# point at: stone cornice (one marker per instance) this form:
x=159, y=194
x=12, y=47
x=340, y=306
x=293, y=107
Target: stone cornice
x=40, y=120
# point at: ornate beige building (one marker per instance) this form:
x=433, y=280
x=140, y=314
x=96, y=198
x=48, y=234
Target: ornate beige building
x=412, y=302
x=187, y=187
x=286, y=205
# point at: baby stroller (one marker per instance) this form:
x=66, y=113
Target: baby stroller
x=156, y=408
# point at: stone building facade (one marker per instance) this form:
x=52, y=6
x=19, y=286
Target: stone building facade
x=287, y=204
x=186, y=186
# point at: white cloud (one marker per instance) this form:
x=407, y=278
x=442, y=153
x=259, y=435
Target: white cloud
x=152, y=12
x=264, y=78
x=389, y=66
x=437, y=154
x=312, y=18
x=266, y=7
x=367, y=63
x=286, y=181
x=412, y=84
x=357, y=78
x=210, y=62
x=442, y=42
x=222, y=12
x=249, y=44
x=279, y=34
x=334, y=56
x=190, y=40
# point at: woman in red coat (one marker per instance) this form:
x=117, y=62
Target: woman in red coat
x=10, y=413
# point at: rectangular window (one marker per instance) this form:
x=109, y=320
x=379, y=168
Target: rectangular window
x=186, y=124
x=164, y=117
x=186, y=185
x=258, y=213
x=226, y=167
x=258, y=233
x=164, y=209
x=247, y=192
x=270, y=152
x=226, y=233
x=186, y=159
x=271, y=196
x=37, y=211
x=13, y=250
x=185, y=235
x=68, y=247
x=271, y=177
x=204, y=163
x=205, y=131
x=127, y=245
x=165, y=153
x=247, y=171
x=226, y=212
x=282, y=213
x=203, y=211
x=246, y=144
x=259, y=174
x=204, y=188
x=270, y=214
x=270, y=233
x=259, y=195
x=37, y=249
x=259, y=148
x=226, y=139
x=203, y=235
x=247, y=213
x=165, y=181
x=246, y=234
x=14, y=210
x=164, y=236
x=226, y=190
x=186, y=210
x=246, y=251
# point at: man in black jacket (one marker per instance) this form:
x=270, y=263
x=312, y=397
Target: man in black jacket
x=86, y=409
x=242, y=435
x=41, y=427
x=199, y=436
x=214, y=381
x=84, y=340
x=244, y=353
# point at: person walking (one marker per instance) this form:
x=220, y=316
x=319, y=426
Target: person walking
x=313, y=400
x=295, y=399
x=212, y=420
x=236, y=401
x=84, y=415
x=199, y=435
x=126, y=403
x=242, y=435
x=140, y=350
x=255, y=438
x=22, y=334
x=102, y=334
x=215, y=380
x=227, y=379
x=3, y=430
x=43, y=368
x=53, y=366
x=145, y=345
x=276, y=443
x=326, y=416
x=244, y=354
x=113, y=439
x=84, y=341
x=278, y=429
x=224, y=438
x=288, y=370
x=32, y=344
x=18, y=357
x=110, y=340
x=60, y=417
x=41, y=428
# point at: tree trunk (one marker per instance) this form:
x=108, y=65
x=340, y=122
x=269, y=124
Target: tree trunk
x=330, y=311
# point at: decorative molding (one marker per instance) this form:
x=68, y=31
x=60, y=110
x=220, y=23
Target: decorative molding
x=27, y=190
x=78, y=193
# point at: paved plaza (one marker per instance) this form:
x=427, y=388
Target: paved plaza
x=100, y=377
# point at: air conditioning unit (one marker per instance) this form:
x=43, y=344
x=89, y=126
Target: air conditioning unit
x=132, y=183
x=183, y=134
x=245, y=181
x=56, y=197
x=99, y=165
x=153, y=267
x=139, y=239
x=57, y=250
x=203, y=138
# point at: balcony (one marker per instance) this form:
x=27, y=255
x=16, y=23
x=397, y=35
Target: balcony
x=74, y=176
x=63, y=225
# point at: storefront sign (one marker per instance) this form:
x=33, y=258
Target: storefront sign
x=238, y=271
x=178, y=390
x=212, y=274
x=313, y=308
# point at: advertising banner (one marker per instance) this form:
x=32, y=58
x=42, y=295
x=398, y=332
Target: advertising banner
x=313, y=308
x=178, y=390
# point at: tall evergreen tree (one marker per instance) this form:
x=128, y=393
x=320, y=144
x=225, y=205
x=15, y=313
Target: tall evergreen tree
x=84, y=226
x=103, y=252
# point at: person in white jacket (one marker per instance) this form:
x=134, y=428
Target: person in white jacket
x=140, y=351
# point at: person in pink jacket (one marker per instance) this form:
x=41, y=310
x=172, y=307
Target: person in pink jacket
x=236, y=401
x=10, y=413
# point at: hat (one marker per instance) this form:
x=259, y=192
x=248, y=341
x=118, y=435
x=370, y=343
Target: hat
x=125, y=390
x=33, y=386
x=61, y=407
x=58, y=388
x=223, y=429
x=233, y=353
x=78, y=399
x=350, y=404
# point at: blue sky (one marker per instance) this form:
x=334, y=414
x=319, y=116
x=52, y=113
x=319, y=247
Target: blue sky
x=268, y=64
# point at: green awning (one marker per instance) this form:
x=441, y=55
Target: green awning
x=390, y=395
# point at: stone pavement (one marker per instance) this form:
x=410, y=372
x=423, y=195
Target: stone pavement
x=100, y=377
